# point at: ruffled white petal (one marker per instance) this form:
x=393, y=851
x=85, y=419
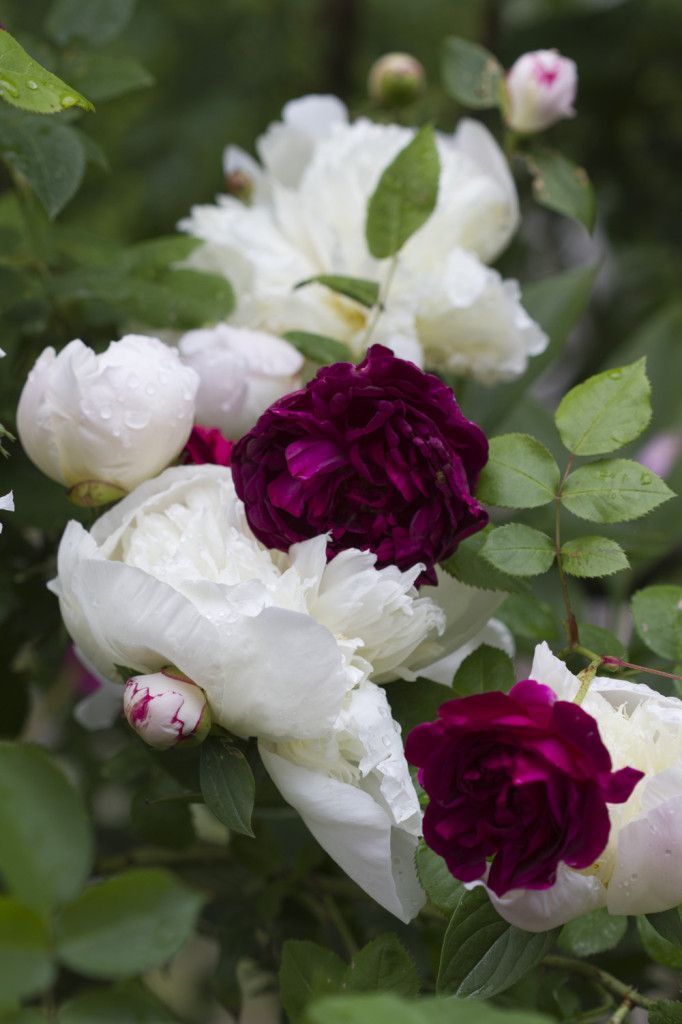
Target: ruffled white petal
x=539, y=910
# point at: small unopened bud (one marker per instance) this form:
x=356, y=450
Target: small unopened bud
x=541, y=89
x=165, y=709
x=94, y=493
x=240, y=185
x=396, y=79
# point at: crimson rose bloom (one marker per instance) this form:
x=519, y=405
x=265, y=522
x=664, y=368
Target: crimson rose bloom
x=206, y=444
x=377, y=455
x=521, y=777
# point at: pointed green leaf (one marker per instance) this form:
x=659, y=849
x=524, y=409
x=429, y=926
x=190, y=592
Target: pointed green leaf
x=443, y=890
x=307, y=971
x=128, y=1003
x=665, y=1012
x=592, y=557
x=364, y=292
x=26, y=84
x=319, y=348
x=227, y=784
x=657, y=612
x=38, y=803
x=26, y=966
x=529, y=617
x=657, y=947
x=468, y=566
x=592, y=933
x=96, y=22
x=405, y=197
x=383, y=965
x=561, y=185
x=127, y=924
x=482, y=954
x=471, y=74
x=416, y=700
x=487, y=668
x=613, y=491
x=520, y=473
x=606, y=411
x=106, y=76
x=668, y=923
x=519, y=550
x=48, y=153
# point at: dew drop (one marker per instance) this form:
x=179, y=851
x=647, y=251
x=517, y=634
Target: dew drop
x=133, y=382
x=68, y=101
x=150, y=389
x=31, y=84
x=8, y=87
x=136, y=419
x=105, y=412
x=615, y=375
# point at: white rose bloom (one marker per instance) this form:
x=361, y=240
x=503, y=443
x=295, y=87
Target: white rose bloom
x=352, y=787
x=118, y=418
x=241, y=373
x=640, y=871
x=308, y=218
x=173, y=576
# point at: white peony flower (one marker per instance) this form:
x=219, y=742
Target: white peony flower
x=352, y=787
x=6, y=504
x=173, y=576
x=241, y=373
x=165, y=709
x=308, y=218
x=640, y=871
x=117, y=418
x=541, y=89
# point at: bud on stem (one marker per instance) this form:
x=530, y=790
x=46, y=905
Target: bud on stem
x=166, y=708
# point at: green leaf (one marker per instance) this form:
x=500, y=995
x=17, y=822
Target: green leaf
x=519, y=550
x=319, y=348
x=613, y=491
x=665, y=1012
x=105, y=76
x=227, y=784
x=487, y=668
x=658, y=948
x=383, y=965
x=128, y=924
x=596, y=638
x=46, y=846
x=26, y=84
x=96, y=22
x=529, y=617
x=668, y=924
x=561, y=185
x=471, y=74
x=469, y=567
x=416, y=700
x=482, y=954
x=521, y=473
x=592, y=933
x=606, y=411
x=307, y=971
x=363, y=291
x=657, y=612
x=443, y=890
x=49, y=154
x=122, y=1004
x=592, y=557
x=405, y=197
x=26, y=966
x=383, y=1008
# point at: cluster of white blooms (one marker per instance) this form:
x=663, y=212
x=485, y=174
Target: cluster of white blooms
x=445, y=307
x=285, y=646
x=640, y=871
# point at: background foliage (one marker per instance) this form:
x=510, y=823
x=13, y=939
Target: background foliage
x=173, y=82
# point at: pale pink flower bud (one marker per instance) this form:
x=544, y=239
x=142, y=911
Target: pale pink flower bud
x=541, y=89
x=396, y=79
x=166, y=709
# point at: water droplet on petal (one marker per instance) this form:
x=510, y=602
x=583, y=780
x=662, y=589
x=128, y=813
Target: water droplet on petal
x=136, y=419
x=105, y=412
x=150, y=389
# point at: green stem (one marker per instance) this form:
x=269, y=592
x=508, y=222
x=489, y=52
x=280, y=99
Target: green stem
x=337, y=919
x=622, y=1012
x=596, y=974
x=571, y=624
x=381, y=302
x=586, y=677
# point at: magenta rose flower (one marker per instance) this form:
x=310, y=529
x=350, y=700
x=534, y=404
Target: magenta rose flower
x=377, y=455
x=206, y=444
x=522, y=778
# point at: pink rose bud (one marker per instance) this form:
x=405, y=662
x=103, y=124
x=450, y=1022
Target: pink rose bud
x=165, y=709
x=396, y=79
x=541, y=89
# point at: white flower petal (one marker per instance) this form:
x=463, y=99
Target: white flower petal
x=539, y=910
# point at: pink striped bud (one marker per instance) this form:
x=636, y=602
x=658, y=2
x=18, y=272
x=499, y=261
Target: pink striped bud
x=165, y=709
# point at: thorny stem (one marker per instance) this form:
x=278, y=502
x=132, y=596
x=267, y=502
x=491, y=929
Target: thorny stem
x=381, y=301
x=610, y=663
x=601, y=977
x=571, y=624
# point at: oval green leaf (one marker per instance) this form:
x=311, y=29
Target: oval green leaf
x=592, y=933
x=26, y=966
x=561, y=185
x=227, y=784
x=471, y=74
x=519, y=550
x=129, y=1003
x=405, y=197
x=486, y=668
x=613, y=491
x=592, y=557
x=49, y=154
x=26, y=84
x=127, y=924
x=520, y=473
x=606, y=411
x=46, y=846
x=657, y=612
x=319, y=348
x=443, y=890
